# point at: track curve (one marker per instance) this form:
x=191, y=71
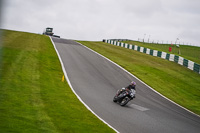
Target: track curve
x=96, y=81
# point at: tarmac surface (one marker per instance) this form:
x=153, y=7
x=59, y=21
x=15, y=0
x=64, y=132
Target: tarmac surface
x=96, y=80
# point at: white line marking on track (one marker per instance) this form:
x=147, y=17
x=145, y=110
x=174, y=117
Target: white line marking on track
x=140, y=108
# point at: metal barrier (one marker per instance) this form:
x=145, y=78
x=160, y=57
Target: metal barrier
x=171, y=57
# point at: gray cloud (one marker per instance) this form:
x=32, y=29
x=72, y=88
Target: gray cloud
x=98, y=19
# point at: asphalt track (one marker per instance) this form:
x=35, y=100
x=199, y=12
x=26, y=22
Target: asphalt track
x=96, y=81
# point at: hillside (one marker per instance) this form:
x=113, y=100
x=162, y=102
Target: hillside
x=33, y=98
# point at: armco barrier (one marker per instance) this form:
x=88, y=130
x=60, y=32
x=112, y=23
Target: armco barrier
x=171, y=57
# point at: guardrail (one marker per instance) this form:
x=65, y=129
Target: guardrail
x=171, y=57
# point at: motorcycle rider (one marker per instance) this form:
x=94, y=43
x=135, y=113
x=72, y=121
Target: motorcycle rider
x=129, y=87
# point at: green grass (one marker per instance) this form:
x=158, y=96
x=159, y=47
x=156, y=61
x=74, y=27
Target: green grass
x=33, y=99
x=170, y=79
x=188, y=52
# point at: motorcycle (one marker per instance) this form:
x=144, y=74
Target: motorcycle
x=123, y=97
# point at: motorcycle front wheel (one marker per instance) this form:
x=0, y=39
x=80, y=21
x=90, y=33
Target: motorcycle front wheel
x=125, y=101
x=115, y=99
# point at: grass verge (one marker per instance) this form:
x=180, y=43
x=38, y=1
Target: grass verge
x=33, y=98
x=170, y=79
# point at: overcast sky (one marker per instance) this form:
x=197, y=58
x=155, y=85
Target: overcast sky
x=156, y=20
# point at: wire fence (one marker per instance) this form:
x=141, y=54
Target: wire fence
x=165, y=42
